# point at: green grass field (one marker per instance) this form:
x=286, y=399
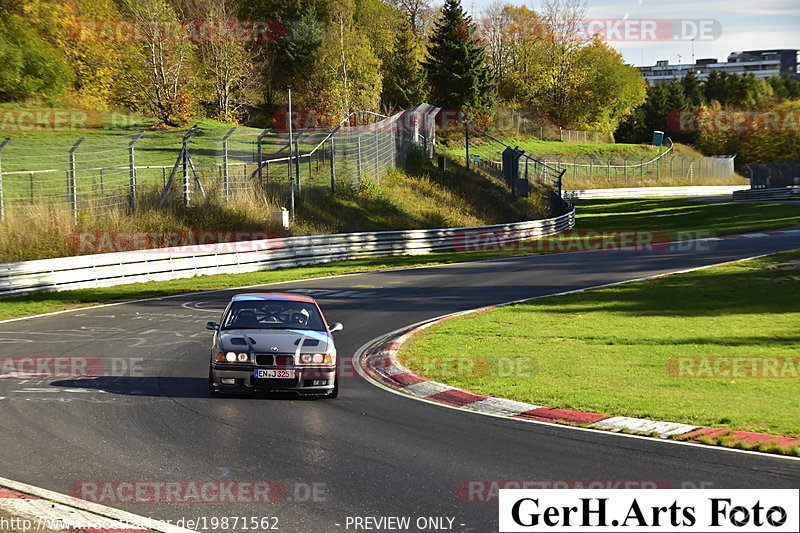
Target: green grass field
x=679, y=217
x=533, y=145
x=608, y=350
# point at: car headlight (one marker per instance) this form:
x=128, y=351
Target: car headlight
x=316, y=358
x=231, y=357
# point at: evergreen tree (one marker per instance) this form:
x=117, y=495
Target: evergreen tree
x=404, y=82
x=455, y=66
x=692, y=89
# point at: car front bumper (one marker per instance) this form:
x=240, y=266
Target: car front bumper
x=308, y=379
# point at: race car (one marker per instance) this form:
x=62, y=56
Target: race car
x=273, y=342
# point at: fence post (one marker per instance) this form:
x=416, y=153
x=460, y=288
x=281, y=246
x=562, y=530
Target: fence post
x=625, y=169
x=72, y=183
x=260, y=158
x=102, y=186
x=225, y=177
x=131, y=171
x=358, y=159
x=333, y=168
x=31, y=179
x=297, y=162
x=608, y=170
x=466, y=139
x=2, y=145
x=641, y=168
x=377, y=154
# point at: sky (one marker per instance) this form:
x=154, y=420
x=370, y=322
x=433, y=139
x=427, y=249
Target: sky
x=719, y=26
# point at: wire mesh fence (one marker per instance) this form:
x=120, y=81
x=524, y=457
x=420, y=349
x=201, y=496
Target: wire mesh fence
x=774, y=174
x=586, y=171
x=96, y=174
x=524, y=174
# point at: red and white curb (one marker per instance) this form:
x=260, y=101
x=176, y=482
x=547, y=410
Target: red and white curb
x=378, y=361
x=48, y=510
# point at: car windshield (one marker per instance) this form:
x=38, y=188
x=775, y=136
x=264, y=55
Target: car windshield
x=271, y=314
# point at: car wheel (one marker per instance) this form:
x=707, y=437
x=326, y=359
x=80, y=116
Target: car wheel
x=212, y=390
x=335, y=392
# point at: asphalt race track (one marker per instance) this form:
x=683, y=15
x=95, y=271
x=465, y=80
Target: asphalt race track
x=368, y=453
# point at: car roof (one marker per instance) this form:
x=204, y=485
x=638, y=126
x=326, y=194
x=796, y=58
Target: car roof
x=271, y=296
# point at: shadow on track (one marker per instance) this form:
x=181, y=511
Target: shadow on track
x=166, y=387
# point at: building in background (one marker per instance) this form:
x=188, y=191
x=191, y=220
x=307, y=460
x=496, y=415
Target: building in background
x=759, y=63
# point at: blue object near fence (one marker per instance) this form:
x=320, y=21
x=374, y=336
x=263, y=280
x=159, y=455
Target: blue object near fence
x=658, y=138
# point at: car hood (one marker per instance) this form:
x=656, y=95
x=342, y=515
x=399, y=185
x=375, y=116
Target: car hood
x=275, y=341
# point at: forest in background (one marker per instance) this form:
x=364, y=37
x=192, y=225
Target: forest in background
x=232, y=60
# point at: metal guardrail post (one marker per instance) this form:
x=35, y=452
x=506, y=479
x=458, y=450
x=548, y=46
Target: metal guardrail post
x=297, y=162
x=131, y=172
x=72, y=182
x=333, y=167
x=225, y=177
x=2, y=145
x=358, y=138
x=261, y=158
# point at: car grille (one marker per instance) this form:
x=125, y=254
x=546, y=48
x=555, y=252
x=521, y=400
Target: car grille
x=268, y=359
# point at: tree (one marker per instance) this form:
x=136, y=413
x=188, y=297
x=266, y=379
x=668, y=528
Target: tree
x=692, y=89
x=29, y=66
x=564, y=36
x=225, y=62
x=345, y=75
x=418, y=13
x=607, y=91
x=404, y=82
x=164, y=60
x=455, y=64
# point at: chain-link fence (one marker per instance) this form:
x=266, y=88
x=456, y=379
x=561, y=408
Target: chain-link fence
x=630, y=171
x=524, y=174
x=588, y=171
x=774, y=174
x=96, y=174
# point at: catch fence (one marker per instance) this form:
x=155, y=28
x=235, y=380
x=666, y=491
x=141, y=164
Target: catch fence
x=96, y=174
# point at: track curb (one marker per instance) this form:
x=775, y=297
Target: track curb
x=49, y=510
x=379, y=362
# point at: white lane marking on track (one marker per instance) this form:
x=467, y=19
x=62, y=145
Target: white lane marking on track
x=197, y=306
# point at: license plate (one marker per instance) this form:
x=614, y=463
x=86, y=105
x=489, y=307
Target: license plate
x=262, y=373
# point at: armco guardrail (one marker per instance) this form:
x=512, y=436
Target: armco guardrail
x=644, y=192
x=777, y=193
x=105, y=270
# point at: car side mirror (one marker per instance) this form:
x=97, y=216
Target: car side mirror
x=336, y=326
x=213, y=326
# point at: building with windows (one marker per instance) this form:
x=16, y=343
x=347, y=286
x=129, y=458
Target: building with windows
x=759, y=63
